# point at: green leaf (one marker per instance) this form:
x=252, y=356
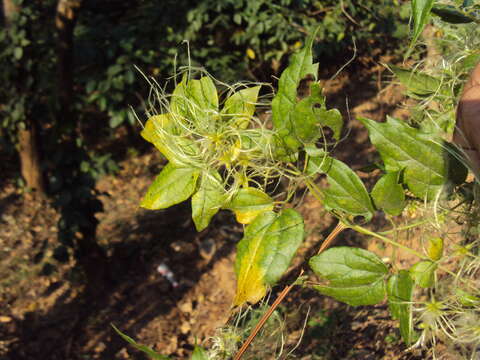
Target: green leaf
x=399, y=295
x=426, y=160
x=451, y=15
x=152, y=354
x=18, y=53
x=388, y=195
x=265, y=252
x=199, y=354
x=356, y=276
x=304, y=120
x=423, y=273
x=179, y=103
x=469, y=61
x=248, y=203
x=331, y=118
x=196, y=100
x=241, y=106
x=435, y=248
x=207, y=200
x=467, y=299
x=116, y=120
x=203, y=93
x=310, y=114
x=421, y=15
x=161, y=131
x=172, y=186
x=285, y=101
x=418, y=84
x=346, y=193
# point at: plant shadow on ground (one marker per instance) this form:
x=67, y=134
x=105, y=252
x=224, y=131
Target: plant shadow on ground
x=77, y=327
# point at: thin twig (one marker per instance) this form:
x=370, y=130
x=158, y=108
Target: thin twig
x=338, y=229
x=263, y=320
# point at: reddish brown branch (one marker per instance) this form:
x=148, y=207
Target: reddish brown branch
x=338, y=229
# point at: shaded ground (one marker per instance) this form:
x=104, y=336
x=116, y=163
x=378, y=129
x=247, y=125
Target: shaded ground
x=49, y=317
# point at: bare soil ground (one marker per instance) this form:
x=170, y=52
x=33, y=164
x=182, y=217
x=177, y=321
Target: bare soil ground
x=50, y=317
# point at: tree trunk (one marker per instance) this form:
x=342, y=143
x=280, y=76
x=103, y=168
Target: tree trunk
x=65, y=20
x=90, y=255
x=29, y=149
x=29, y=153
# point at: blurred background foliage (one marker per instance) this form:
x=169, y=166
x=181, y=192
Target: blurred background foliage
x=233, y=39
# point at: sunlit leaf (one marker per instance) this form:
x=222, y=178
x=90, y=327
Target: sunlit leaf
x=421, y=15
x=426, y=160
x=469, y=61
x=388, y=194
x=152, y=354
x=161, y=132
x=172, y=186
x=346, y=192
x=265, y=252
x=207, y=200
x=248, y=203
x=241, y=106
x=418, y=84
x=355, y=276
x=399, y=295
x=196, y=100
x=435, y=248
x=199, y=354
x=203, y=93
x=423, y=273
x=284, y=102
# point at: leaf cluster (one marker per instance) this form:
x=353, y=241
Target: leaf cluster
x=212, y=146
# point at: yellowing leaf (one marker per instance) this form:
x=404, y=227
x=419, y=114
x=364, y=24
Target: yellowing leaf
x=248, y=203
x=265, y=252
x=160, y=130
x=154, y=124
x=152, y=132
x=435, y=248
x=241, y=106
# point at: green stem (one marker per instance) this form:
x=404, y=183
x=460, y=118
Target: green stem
x=362, y=230
x=406, y=227
x=365, y=231
x=314, y=189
